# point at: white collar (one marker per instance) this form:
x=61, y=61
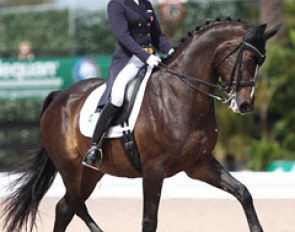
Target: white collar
x=136, y=1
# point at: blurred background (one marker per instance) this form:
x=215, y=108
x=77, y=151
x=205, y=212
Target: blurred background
x=50, y=44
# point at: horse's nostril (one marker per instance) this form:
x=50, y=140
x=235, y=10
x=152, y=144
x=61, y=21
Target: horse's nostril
x=246, y=107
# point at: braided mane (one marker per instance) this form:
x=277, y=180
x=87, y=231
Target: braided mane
x=197, y=29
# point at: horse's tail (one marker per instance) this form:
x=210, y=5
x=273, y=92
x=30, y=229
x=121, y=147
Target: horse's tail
x=48, y=100
x=21, y=207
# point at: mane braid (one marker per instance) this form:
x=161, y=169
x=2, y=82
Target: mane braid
x=207, y=23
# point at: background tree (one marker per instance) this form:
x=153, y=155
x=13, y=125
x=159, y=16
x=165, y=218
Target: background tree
x=275, y=92
x=271, y=12
x=4, y=3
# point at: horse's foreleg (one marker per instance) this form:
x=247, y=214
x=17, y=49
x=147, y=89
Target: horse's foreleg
x=152, y=187
x=210, y=171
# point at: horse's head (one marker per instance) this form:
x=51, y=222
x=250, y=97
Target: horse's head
x=237, y=61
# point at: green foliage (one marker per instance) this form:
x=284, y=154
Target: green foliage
x=68, y=32
x=279, y=97
x=41, y=28
x=261, y=153
x=93, y=33
x=57, y=32
x=18, y=133
x=23, y=2
x=197, y=12
x=26, y=110
x=281, y=78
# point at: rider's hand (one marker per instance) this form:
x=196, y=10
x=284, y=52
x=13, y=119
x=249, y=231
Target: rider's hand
x=153, y=60
x=171, y=51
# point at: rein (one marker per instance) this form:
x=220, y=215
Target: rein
x=187, y=79
x=226, y=85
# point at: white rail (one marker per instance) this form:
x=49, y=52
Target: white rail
x=262, y=185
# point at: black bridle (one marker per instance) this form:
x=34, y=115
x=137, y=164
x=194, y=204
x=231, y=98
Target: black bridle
x=244, y=45
x=226, y=85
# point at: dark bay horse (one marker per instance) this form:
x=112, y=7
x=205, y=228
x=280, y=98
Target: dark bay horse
x=176, y=129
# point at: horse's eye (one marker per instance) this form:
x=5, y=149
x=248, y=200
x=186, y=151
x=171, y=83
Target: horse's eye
x=248, y=62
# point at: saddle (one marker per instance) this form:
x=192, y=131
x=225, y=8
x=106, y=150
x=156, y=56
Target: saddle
x=128, y=139
x=131, y=91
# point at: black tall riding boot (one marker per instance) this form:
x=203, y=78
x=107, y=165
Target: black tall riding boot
x=103, y=123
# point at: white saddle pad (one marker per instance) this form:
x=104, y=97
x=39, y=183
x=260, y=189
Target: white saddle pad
x=88, y=116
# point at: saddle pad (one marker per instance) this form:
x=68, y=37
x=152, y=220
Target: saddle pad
x=88, y=117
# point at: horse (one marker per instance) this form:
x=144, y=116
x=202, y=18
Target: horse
x=176, y=129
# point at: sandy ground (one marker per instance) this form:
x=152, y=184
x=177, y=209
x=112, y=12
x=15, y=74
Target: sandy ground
x=124, y=215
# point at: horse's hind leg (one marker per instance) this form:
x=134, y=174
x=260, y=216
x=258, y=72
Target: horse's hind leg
x=77, y=191
x=88, y=183
x=63, y=215
x=210, y=171
x=74, y=203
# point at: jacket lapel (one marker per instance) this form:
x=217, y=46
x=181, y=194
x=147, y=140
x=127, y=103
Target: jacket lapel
x=137, y=8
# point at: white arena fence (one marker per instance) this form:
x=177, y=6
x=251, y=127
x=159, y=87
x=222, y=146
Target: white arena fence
x=262, y=185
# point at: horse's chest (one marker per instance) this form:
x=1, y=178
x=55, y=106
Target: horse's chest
x=201, y=142
x=197, y=145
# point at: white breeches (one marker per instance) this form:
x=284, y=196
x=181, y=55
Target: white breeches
x=124, y=76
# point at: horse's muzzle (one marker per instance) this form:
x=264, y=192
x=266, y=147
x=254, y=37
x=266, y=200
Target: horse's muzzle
x=246, y=107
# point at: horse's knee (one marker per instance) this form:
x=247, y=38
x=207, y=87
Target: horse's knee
x=149, y=225
x=244, y=195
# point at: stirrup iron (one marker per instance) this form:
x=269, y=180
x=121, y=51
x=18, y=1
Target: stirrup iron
x=98, y=155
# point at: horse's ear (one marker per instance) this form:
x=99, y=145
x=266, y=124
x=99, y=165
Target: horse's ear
x=262, y=27
x=270, y=33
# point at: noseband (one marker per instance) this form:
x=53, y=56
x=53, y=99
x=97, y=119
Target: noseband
x=226, y=85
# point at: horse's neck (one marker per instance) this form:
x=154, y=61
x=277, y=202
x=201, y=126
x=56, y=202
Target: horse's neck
x=178, y=98
x=177, y=102
x=195, y=60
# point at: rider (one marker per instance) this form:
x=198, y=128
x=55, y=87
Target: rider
x=138, y=33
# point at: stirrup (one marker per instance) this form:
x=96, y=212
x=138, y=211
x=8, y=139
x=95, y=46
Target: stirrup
x=91, y=163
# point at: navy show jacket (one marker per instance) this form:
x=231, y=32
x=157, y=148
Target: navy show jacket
x=134, y=26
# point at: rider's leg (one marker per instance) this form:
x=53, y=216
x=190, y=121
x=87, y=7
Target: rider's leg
x=110, y=109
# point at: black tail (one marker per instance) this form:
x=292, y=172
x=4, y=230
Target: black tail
x=21, y=207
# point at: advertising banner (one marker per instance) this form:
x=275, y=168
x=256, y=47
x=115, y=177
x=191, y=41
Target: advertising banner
x=37, y=77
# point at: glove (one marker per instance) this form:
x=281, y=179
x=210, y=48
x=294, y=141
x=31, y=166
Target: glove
x=171, y=51
x=153, y=61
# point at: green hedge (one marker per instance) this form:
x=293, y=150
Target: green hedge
x=53, y=34
x=19, y=132
x=67, y=32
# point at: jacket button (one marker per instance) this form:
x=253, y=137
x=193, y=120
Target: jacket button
x=148, y=24
x=139, y=24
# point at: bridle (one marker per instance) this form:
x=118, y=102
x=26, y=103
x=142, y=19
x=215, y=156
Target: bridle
x=226, y=85
x=244, y=45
